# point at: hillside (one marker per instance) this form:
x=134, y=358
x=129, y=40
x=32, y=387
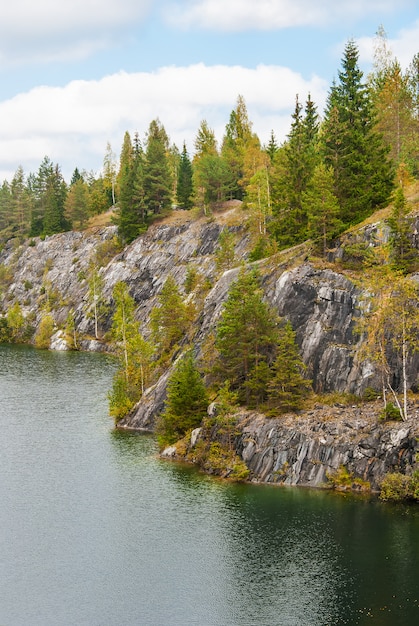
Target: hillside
x=321, y=298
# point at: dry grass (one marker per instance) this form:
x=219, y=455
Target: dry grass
x=102, y=220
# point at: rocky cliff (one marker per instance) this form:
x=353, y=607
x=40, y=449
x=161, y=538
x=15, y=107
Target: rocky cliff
x=323, y=306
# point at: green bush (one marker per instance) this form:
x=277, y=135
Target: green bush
x=397, y=487
x=44, y=332
x=344, y=479
x=370, y=394
x=390, y=413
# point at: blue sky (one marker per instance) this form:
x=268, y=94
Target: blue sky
x=76, y=75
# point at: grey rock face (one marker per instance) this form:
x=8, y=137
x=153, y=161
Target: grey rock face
x=322, y=305
x=305, y=450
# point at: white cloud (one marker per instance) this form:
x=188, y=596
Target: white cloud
x=43, y=29
x=238, y=15
x=72, y=124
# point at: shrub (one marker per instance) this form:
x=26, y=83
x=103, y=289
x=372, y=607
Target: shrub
x=343, y=479
x=397, y=487
x=44, y=332
x=390, y=413
x=370, y=394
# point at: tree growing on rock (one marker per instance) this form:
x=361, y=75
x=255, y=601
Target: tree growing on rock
x=287, y=387
x=134, y=355
x=186, y=402
x=170, y=320
x=391, y=328
x=246, y=336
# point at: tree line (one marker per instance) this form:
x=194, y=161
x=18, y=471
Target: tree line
x=329, y=173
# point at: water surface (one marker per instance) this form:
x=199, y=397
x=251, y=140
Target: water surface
x=95, y=530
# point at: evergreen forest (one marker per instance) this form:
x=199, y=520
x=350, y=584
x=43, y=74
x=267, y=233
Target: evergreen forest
x=334, y=169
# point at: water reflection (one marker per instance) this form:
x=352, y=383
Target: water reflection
x=96, y=530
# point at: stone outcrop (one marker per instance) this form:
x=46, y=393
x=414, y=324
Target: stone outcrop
x=322, y=305
x=310, y=449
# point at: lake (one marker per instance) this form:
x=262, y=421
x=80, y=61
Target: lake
x=95, y=530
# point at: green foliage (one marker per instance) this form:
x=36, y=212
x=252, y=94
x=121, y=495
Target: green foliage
x=221, y=460
x=287, y=387
x=358, y=255
x=397, y=487
x=157, y=175
x=370, y=394
x=132, y=213
x=257, y=354
x=246, y=335
x=76, y=205
x=96, y=301
x=291, y=172
x=343, y=479
x=134, y=355
x=404, y=256
x=4, y=330
x=186, y=402
x=170, y=320
x=322, y=208
x=15, y=322
x=44, y=332
x=6, y=277
x=224, y=254
x=106, y=251
x=390, y=413
x=263, y=248
x=352, y=147
x=184, y=189
x=191, y=279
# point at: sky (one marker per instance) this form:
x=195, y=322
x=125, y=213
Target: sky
x=74, y=76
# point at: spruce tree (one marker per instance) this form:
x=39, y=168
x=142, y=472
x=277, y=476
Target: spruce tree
x=294, y=166
x=322, y=208
x=184, y=189
x=245, y=336
x=157, y=176
x=186, y=403
x=287, y=387
x=132, y=210
x=352, y=146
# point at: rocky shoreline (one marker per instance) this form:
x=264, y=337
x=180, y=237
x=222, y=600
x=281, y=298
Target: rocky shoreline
x=310, y=449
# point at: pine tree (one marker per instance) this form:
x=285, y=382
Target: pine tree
x=184, y=189
x=352, y=146
x=186, y=403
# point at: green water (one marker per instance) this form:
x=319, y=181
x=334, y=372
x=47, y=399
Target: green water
x=96, y=531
